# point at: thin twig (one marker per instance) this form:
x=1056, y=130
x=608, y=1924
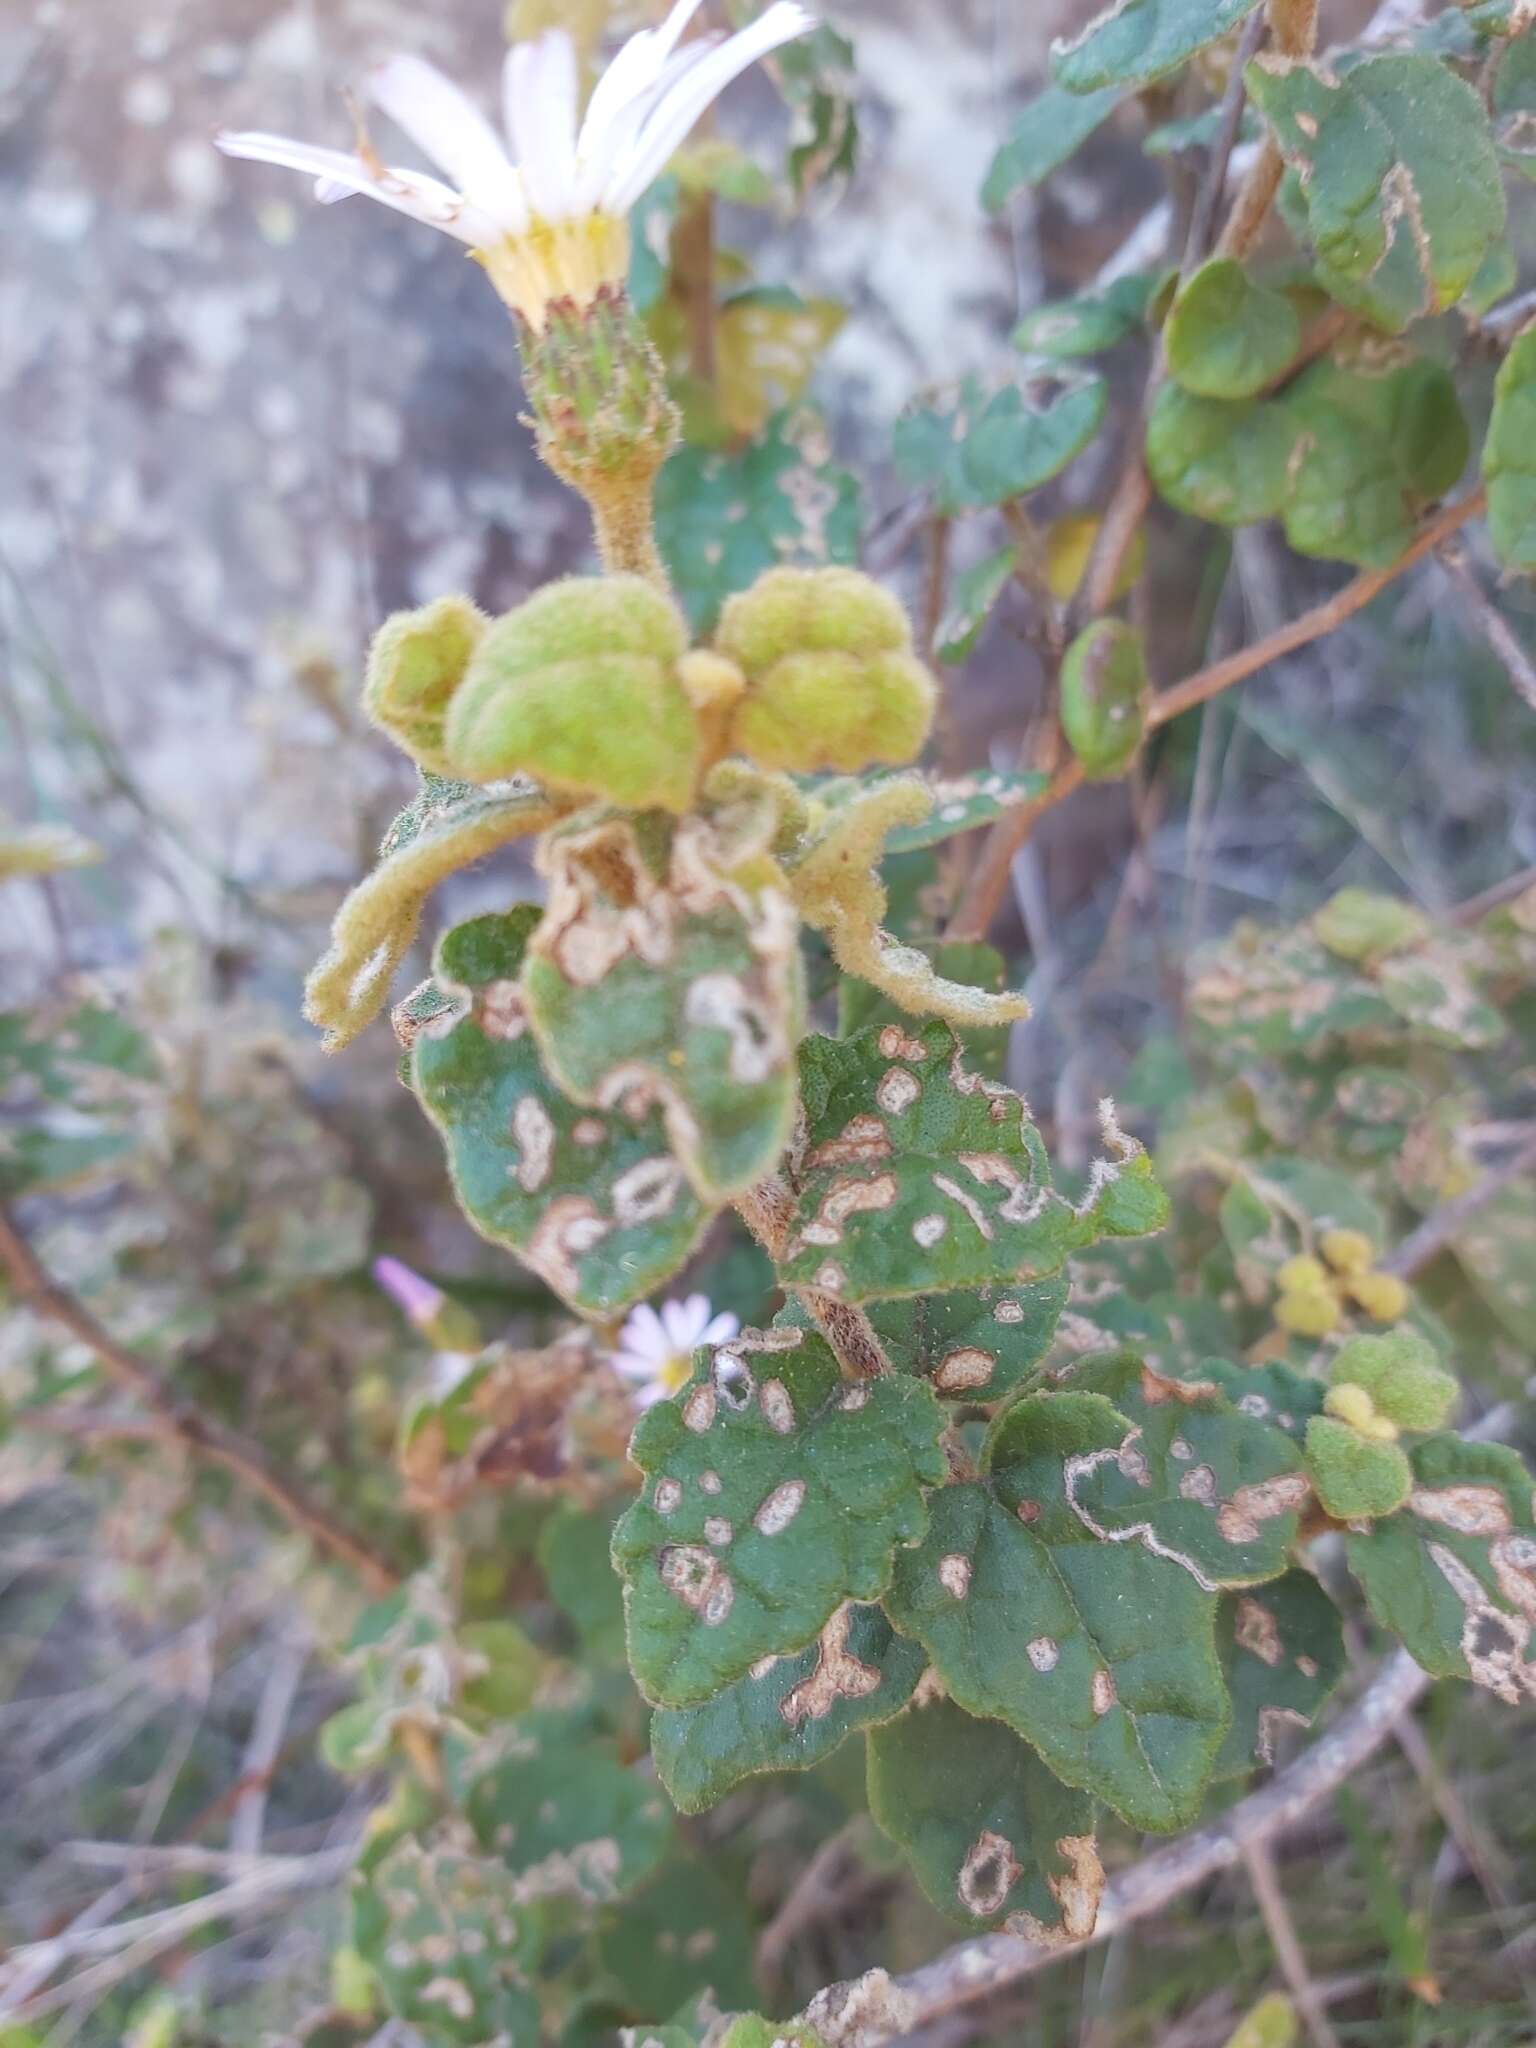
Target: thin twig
x=200, y=1433
x=1438, y=1230
x=1294, y=26
x=272, y=1711
x=1286, y=1944
x=1202, y=219
x=1490, y=621
x=1477, y=907
x=985, y=893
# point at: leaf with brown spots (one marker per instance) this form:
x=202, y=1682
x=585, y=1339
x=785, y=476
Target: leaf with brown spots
x=1282, y=1649
x=592, y=1200
x=775, y=1491
x=916, y=1176
x=1101, y=1655
x=787, y=1713
x=972, y=1346
x=993, y=1838
x=1453, y=1573
x=1216, y=1490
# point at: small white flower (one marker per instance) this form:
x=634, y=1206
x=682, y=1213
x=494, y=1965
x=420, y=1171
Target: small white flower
x=656, y=1351
x=546, y=219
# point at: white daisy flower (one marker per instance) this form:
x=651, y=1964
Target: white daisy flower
x=544, y=211
x=656, y=1351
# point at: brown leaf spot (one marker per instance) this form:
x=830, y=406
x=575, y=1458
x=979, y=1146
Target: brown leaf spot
x=698, y=1579
x=988, y=1874
x=499, y=1010
x=955, y=1574
x=1028, y=1511
x=1157, y=1388
x=1258, y=1633
x=1241, y=1519
x=1199, y=1483
x=837, y=1675
x=667, y=1497
x=780, y=1507
x=1493, y=1643
x=699, y=1409
x=927, y=1231
x=847, y=1198
x=897, y=1090
x=967, y=1202
x=1044, y=1652
x=959, y=1370
x=778, y=1409
x=1008, y=1311
x=1101, y=1692
x=896, y=1044
x=717, y=1531
x=1469, y=1510
x=863, y=1141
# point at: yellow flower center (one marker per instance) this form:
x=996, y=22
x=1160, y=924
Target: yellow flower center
x=676, y=1371
x=558, y=259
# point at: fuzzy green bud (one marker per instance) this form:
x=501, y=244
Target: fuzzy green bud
x=1356, y=1479
x=832, y=681
x=1359, y=925
x=415, y=664
x=579, y=689
x=1104, y=697
x=1402, y=1376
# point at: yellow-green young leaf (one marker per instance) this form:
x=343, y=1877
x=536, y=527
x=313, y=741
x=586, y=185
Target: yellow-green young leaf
x=415, y=664
x=1104, y=697
x=1224, y=460
x=994, y=1839
x=961, y=803
x=1228, y=337
x=983, y=443
x=722, y=519
x=1134, y=41
x=1282, y=1650
x=972, y=1346
x=1509, y=454
x=787, y=1713
x=1271, y=2024
x=549, y=1796
x=1379, y=435
x=1271, y=1202
x=682, y=1942
x=751, y=2031
x=592, y=1200
x=42, y=850
x=1402, y=1374
x=1198, y=1480
x=1101, y=1655
x=964, y=963
x=975, y=594
x=768, y=341
x=1050, y=129
x=1356, y=1478
x=1398, y=174
x=452, y=1943
x=1453, y=1574
x=775, y=1491
x=1358, y=924
x=916, y=1176
x=667, y=969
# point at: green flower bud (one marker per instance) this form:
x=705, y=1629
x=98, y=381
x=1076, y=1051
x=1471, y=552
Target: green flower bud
x=1104, y=697
x=415, y=664
x=832, y=681
x=579, y=689
x=1356, y=1479
x=1402, y=1375
x=1357, y=924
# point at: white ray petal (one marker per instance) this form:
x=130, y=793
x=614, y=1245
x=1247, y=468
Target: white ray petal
x=644, y=1334
x=539, y=87
x=408, y=192
x=719, y=1328
x=634, y=70
x=604, y=153
x=673, y=115
x=446, y=125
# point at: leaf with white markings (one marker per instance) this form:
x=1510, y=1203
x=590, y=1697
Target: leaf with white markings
x=972, y=1346
x=787, y=1713
x=1398, y=174
x=917, y=1176
x=1135, y=41
x=1453, y=1573
x=687, y=1929
x=775, y=1490
x=592, y=1200
x=1118, y=1686
x=666, y=970
x=984, y=443
x=1197, y=1480
x=994, y=1839
x=1282, y=1649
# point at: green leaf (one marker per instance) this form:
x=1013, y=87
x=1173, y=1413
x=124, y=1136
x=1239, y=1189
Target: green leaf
x=1276, y=1206
x=1514, y=108
x=686, y=1933
x=993, y=1838
x=722, y=519
x=592, y=1201
x=574, y=1556
x=1092, y=321
x=1104, y=697
x=1282, y=1650
x=1118, y=1686
x=651, y=221
x=1493, y=1249
x=816, y=76
x=1196, y=131
x=983, y=443
x=1509, y=456
x=1453, y=1573
x=1398, y=174
x=975, y=593
x=1380, y=435
x=1228, y=337
x=1274, y=1393
x=452, y=1945
x=1223, y=460
x=775, y=1491
x=787, y=1713
x=550, y=1798
x=916, y=1176
x=656, y=973
x=1287, y=994
x=1198, y=1480
x=73, y=1060
x=1050, y=129
x=972, y=1346
x=965, y=962
x=1135, y=41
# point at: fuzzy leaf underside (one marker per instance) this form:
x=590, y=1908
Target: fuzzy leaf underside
x=1101, y=1655
x=788, y=1713
x=775, y=1491
x=592, y=1200
x=917, y=1176
x=994, y=1838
